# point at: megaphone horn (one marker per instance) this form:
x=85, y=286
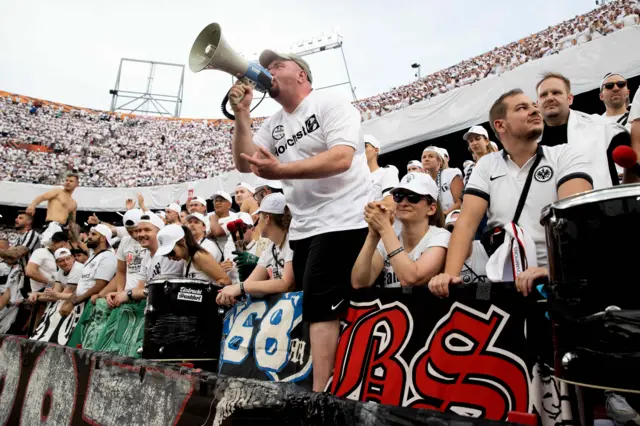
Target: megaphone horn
x=211, y=51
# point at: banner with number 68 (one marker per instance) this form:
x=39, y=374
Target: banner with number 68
x=266, y=339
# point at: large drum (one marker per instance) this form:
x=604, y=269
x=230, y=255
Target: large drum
x=593, y=261
x=181, y=320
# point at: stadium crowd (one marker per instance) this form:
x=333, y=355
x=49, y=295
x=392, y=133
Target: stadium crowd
x=600, y=22
x=128, y=151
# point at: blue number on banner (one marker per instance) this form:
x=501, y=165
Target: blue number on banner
x=236, y=345
x=274, y=336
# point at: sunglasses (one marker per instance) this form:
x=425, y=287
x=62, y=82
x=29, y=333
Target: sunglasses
x=620, y=84
x=411, y=197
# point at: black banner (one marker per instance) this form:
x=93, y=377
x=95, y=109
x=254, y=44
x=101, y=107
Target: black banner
x=266, y=339
x=50, y=384
x=463, y=354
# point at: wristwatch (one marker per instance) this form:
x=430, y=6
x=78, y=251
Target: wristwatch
x=130, y=295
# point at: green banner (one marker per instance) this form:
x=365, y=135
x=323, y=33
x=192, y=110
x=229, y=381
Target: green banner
x=124, y=330
x=90, y=325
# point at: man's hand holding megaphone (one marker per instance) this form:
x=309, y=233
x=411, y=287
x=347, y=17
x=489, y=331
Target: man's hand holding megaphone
x=240, y=97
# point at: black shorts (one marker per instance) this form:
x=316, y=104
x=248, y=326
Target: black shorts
x=323, y=264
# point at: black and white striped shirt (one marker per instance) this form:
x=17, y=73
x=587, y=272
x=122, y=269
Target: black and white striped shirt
x=30, y=240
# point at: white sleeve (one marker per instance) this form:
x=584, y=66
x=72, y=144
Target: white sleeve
x=479, y=181
x=572, y=165
x=634, y=114
x=229, y=248
x=75, y=274
x=389, y=180
x=38, y=257
x=341, y=125
x=265, y=257
x=440, y=239
x=122, y=232
x=288, y=253
x=144, y=266
x=59, y=275
x=263, y=136
x=106, y=269
x=120, y=252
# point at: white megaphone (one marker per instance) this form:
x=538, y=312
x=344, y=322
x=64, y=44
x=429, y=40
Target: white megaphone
x=211, y=51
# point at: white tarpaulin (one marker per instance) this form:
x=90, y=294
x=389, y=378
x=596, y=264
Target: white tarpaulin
x=113, y=199
x=584, y=65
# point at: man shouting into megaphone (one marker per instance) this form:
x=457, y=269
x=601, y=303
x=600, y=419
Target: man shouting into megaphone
x=315, y=146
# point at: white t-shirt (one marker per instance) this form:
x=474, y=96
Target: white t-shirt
x=192, y=272
x=319, y=123
x=73, y=277
x=223, y=223
x=446, y=177
x=273, y=259
x=383, y=180
x=212, y=248
x=160, y=266
x=99, y=267
x=435, y=237
x=47, y=267
x=130, y=252
x=498, y=180
x=476, y=265
x=4, y=269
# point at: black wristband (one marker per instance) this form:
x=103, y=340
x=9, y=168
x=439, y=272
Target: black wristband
x=242, y=288
x=396, y=251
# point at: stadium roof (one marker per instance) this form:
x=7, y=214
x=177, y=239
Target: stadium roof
x=584, y=65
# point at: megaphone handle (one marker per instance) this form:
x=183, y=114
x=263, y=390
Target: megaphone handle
x=243, y=81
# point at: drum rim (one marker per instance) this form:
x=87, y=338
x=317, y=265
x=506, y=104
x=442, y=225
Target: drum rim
x=595, y=196
x=178, y=280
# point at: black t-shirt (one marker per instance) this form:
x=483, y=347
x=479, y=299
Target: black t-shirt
x=556, y=135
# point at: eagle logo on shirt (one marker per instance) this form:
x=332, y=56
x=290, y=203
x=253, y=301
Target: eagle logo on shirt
x=312, y=124
x=278, y=132
x=543, y=174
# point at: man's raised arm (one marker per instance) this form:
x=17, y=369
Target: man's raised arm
x=49, y=195
x=242, y=141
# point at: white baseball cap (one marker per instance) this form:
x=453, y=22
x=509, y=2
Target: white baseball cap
x=105, y=231
x=174, y=207
x=272, y=203
x=420, y=183
x=445, y=153
x=161, y=214
x=450, y=220
x=199, y=200
x=435, y=149
x=201, y=218
x=152, y=218
x=223, y=194
x=275, y=184
x=167, y=238
x=372, y=141
x=475, y=130
x=246, y=218
x=62, y=252
x=414, y=163
x=132, y=217
x=246, y=186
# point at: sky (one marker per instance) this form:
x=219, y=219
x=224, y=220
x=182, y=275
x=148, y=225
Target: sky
x=69, y=51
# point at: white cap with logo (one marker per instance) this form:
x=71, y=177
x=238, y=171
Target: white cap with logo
x=272, y=203
x=246, y=218
x=420, y=183
x=452, y=217
x=475, y=130
x=201, y=218
x=223, y=194
x=168, y=237
x=435, y=149
x=62, y=252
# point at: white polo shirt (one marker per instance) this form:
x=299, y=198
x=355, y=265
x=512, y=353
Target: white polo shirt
x=319, y=123
x=498, y=180
x=383, y=181
x=101, y=266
